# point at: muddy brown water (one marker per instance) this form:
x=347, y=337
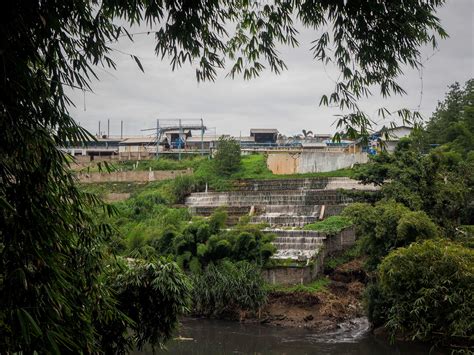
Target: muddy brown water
x=217, y=337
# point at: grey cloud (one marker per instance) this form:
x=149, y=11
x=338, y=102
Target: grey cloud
x=289, y=102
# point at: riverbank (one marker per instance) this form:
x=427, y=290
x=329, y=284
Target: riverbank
x=323, y=310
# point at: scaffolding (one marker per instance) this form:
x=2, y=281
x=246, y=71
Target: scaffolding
x=176, y=124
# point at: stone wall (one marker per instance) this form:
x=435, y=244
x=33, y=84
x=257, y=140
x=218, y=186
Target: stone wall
x=293, y=275
x=131, y=176
x=340, y=241
x=312, y=161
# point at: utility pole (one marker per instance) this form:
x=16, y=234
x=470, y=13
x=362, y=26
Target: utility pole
x=157, y=137
x=179, y=139
x=108, y=128
x=202, y=138
x=121, y=129
x=98, y=135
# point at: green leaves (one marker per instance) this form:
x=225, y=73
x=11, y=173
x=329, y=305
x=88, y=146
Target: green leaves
x=138, y=63
x=227, y=159
x=330, y=225
x=226, y=288
x=29, y=327
x=152, y=294
x=453, y=121
x=387, y=226
x=427, y=289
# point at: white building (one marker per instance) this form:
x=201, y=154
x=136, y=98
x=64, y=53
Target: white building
x=390, y=137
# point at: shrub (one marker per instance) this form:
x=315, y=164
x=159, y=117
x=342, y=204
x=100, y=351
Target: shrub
x=136, y=242
x=152, y=295
x=218, y=220
x=429, y=290
x=226, y=288
x=195, y=265
x=164, y=245
x=218, y=248
x=376, y=305
x=333, y=261
x=210, y=244
x=184, y=185
x=227, y=159
x=415, y=226
x=386, y=226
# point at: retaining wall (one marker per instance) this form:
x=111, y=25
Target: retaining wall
x=131, y=176
x=341, y=241
x=293, y=275
x=312, y=161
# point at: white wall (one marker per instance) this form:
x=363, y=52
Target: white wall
x=312, y=161
x=315, y=162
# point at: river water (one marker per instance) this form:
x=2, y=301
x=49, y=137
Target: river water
x=217, y=337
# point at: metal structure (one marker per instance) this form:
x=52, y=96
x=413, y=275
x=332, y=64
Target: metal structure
x=176, y=124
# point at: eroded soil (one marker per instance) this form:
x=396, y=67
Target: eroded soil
x=322, y=310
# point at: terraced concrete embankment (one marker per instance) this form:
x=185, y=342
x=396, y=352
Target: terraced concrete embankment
x=280, y=203
x=302, y=245
x=297, y=244
x=287, y=203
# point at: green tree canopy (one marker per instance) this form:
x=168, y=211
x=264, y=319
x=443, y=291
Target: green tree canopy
x=386, y=226
x=228, y=158
x=428, y=290
x=453, y=121
x=51, y=253
x=440, y=183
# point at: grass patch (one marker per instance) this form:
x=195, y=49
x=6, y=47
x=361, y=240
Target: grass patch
x=272, y=263
x=316, y=286
x=333, y=224
x=162, y=164
x=145, y=165
x=164, y=188
x=104, y=188
x=332, y=262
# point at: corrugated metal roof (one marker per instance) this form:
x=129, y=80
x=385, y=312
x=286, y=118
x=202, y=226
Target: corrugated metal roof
x=141, y=140
x=263, y=130
x=204, y=139
x=245, y=139
x=176, y=131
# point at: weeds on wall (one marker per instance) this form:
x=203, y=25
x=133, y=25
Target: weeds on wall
x=330, y=225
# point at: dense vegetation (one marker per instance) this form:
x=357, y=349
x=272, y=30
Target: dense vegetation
x=223, y=266
x=52, y=254
x=418, y=238
x=228, y=288
x=439, y=183
x=427, y=291
x=388, y=225
x=452, y=125
x=151, y=294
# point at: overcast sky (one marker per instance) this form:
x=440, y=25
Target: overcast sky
x=288, y=102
